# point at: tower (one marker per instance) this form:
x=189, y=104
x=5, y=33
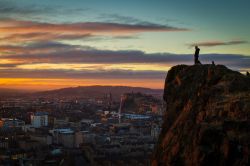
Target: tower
x=120, y=108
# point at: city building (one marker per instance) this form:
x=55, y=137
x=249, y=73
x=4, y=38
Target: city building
x=39, y=119
x=10, y=123
x=64, y=136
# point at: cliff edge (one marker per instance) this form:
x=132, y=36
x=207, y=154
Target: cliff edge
x=207, y=119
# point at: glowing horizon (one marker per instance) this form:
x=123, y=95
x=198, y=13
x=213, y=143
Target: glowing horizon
x=42, y=84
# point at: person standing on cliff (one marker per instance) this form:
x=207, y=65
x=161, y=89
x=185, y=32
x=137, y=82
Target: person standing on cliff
x=196, y=55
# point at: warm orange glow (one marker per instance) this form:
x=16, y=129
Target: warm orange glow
x=47, y=84
x=5, y=61
x=96, y=67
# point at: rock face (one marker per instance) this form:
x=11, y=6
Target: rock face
x=207, y=121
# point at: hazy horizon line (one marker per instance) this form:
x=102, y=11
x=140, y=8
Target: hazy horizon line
x=66, y=87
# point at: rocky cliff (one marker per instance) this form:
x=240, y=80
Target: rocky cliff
x=207, y=119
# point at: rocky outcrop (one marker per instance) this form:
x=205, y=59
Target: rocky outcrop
x=207, y=119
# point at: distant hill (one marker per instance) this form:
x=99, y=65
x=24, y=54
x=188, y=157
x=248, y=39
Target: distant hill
x=97, y=91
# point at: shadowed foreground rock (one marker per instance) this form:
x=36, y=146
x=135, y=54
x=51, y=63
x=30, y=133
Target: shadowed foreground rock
x=207, y=117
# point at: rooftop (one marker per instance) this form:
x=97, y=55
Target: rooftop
x=40, y=113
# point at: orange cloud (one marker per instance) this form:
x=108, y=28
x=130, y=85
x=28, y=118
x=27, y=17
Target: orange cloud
x=15, y=26
x=30, y=31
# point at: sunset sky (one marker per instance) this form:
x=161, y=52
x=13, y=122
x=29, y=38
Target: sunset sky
x=50, y=44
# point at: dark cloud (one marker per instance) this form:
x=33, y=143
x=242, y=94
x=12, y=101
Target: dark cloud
x=237, y=62
x=62, y=53
x=54, y=52
x=59, y=53
x=123, y=19
x=218, y=43
x=117, y=18
x=5, y=66
x=24, y=27
x=126, y=37
x=10, y=9
x=83, y=74
x=45, y=45
x=39, y=48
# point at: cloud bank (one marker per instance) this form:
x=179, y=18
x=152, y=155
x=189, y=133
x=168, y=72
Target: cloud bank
x=57, y=60
x=218, y=43
x=19, y=31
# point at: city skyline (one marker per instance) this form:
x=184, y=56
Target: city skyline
x=56, y=44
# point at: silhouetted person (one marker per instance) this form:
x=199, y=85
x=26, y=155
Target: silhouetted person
x=213, y=63
x=196, y=55
x=248, y=74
